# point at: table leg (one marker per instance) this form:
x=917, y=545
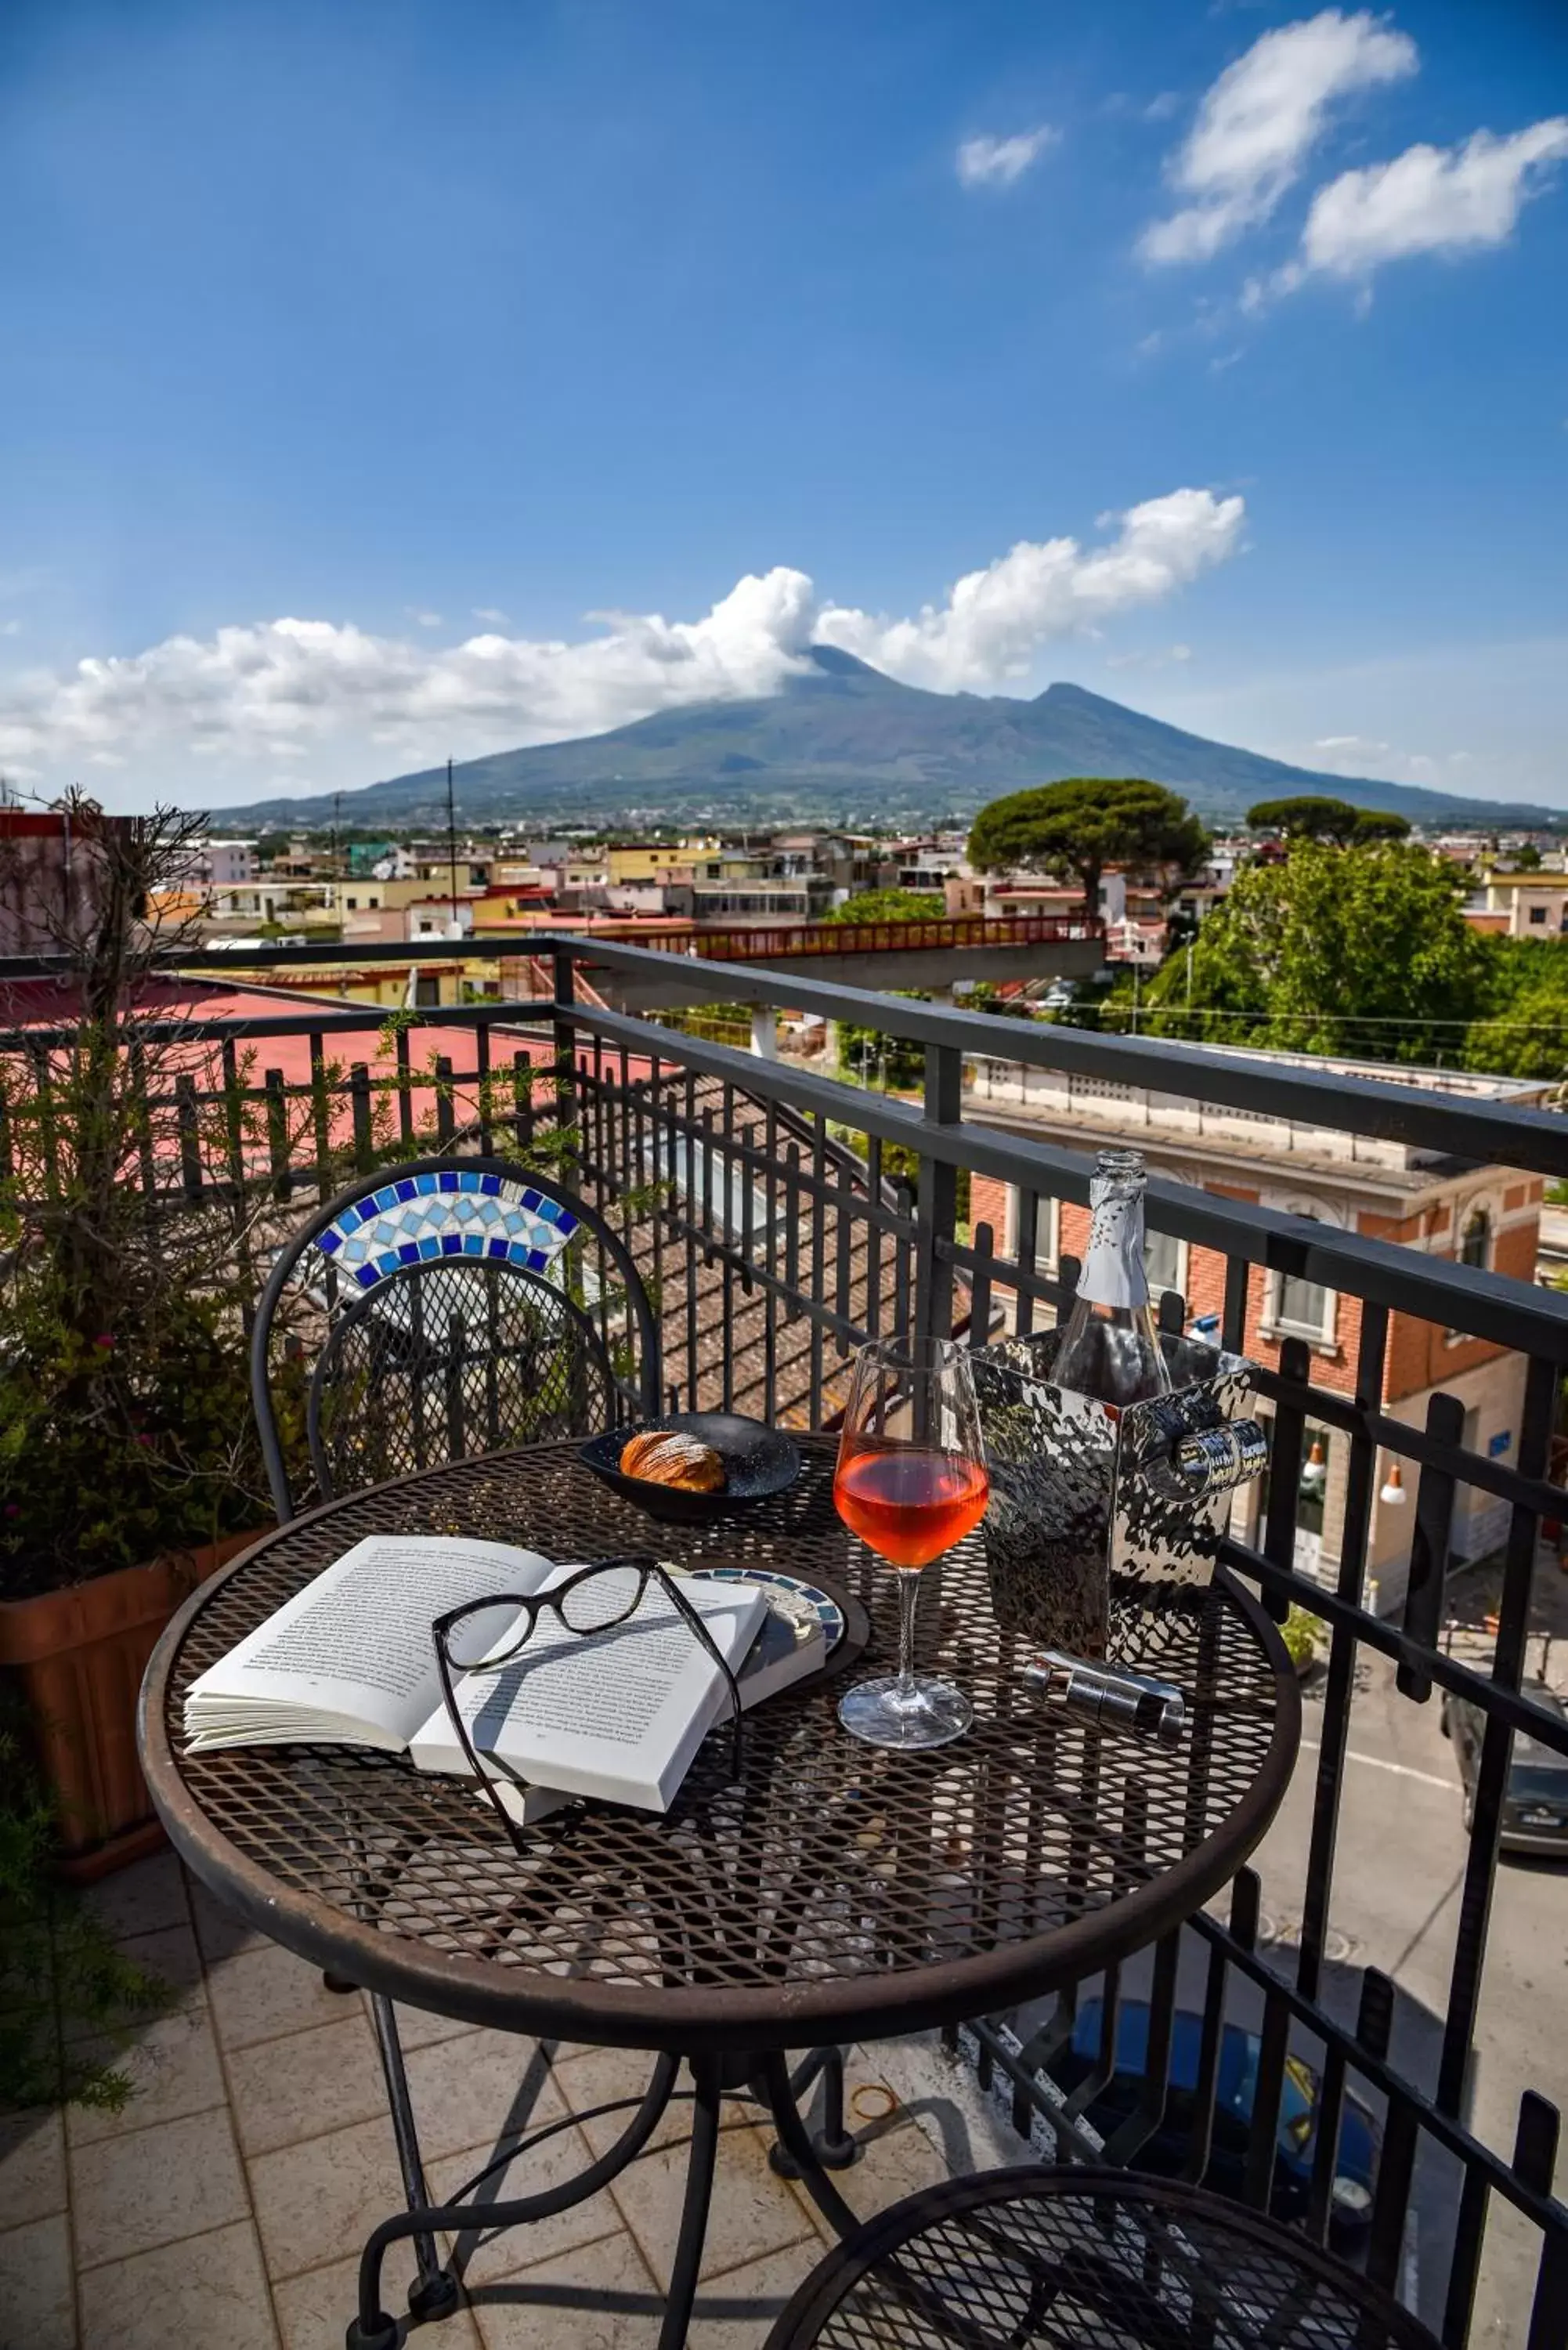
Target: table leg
x=433, y=2293
x=773, y=2086
x=708, y=2072
x=372, y=2329
x=835, y=2149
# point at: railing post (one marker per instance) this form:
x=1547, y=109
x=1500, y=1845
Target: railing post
x=566, y=1054
x=360, y=1095
x=936, y=1203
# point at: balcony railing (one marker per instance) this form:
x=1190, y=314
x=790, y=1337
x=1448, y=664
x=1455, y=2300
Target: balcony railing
x=806, y=940
x=782, y=1216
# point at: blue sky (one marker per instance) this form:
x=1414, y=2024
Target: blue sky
x=436, y=331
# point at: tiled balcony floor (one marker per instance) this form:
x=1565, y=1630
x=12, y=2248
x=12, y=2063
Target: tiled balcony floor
x=229, y=2201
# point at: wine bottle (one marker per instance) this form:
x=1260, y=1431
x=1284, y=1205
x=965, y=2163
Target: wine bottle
x=1110, y=1348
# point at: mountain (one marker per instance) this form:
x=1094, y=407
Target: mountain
x=843, y=742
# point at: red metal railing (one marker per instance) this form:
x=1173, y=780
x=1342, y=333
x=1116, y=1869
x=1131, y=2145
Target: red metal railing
x=786, y=942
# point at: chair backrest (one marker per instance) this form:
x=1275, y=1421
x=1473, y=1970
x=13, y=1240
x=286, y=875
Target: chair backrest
x=441, y=1310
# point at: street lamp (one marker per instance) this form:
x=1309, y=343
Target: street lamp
x=1315, y=1472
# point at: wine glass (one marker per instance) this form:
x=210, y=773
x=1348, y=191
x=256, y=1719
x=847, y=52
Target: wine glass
x=911, y=1481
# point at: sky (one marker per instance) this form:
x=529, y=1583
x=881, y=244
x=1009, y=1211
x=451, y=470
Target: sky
x=386, y=381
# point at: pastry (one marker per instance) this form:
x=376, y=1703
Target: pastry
x=662, y=1456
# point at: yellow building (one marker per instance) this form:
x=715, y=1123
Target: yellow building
x=368, y=896
x=641, y=860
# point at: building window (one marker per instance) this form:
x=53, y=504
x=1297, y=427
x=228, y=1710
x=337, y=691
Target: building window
x=353, y=904
x=1299, y=1307
x=1165, y=1262
x=1537, y=913
x=1475, y=1240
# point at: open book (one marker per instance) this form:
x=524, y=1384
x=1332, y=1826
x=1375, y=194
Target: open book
x=349, y=1660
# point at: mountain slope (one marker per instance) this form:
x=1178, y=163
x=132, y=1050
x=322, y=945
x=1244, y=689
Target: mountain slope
x=844, y=743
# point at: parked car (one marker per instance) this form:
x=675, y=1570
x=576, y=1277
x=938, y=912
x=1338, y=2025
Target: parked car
x=1236, y=2086
x=1535, y=1794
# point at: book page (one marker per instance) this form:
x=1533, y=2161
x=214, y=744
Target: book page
x=616, y=1714
x=356, y=1642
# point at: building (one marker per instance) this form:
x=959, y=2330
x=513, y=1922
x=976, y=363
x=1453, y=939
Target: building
x=1528, y=905
x=1133, y=911
x=1487, y=1217
x=225, y=864
x=416, y=919
x=49, y=878
x=631, y=861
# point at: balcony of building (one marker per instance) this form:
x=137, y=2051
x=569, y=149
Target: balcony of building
x=1368, y=1241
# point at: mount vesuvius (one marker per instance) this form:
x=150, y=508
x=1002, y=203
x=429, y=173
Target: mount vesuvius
x=841, y=742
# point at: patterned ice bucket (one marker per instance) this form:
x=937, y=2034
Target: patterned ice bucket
x=1089, y=1502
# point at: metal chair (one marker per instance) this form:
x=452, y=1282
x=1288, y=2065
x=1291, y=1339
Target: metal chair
x=1056, y=2259
x=446, y=1303
x=457, y=1306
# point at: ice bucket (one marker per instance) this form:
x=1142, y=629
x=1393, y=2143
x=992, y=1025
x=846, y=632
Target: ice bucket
x=1090, y=1503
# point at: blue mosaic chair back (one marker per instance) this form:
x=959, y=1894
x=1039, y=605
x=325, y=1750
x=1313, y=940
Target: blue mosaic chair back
x=427, y=1319
x=457, y=1211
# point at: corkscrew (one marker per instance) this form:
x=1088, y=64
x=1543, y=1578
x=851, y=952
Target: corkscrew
x=1108, y=1697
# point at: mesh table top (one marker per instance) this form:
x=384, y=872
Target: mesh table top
x=833, y=1892
x=1055, y=2260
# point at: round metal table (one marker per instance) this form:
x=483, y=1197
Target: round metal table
x=1057, y=2259
x=833, y=1893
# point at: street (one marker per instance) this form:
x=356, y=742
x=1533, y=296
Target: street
x=1398, y=1874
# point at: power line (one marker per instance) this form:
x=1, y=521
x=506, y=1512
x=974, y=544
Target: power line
x=1342, y=1019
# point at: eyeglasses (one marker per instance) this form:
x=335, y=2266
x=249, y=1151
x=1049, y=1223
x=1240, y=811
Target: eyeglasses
x=598, y=1598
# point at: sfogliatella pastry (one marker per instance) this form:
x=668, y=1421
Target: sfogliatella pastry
x=662, y=1456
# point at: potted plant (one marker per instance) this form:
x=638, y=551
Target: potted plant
x=70, y=2001
x=1299, y=1632
x=129, y=1461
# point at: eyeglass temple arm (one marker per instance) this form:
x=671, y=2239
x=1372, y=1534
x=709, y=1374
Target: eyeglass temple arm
x=694, y=1619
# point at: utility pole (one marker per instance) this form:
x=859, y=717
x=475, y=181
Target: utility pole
x=452, y=842
x=336, y=809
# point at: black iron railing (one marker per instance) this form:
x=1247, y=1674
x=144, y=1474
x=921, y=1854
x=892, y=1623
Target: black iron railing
x=782, y=1216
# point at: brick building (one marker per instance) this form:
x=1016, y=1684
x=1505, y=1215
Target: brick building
x=1484, y=1216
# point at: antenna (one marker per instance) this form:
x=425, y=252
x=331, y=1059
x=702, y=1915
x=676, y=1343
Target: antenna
x=451, y=842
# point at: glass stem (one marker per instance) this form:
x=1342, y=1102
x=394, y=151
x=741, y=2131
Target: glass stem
x=909, y=1600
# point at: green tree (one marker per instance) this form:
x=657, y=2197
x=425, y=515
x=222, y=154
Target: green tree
x=1361, y=951
x=890, y=906
x=1528, y=859
x=1528, y=1037
x=891, y=1064
x=1378, y=824
x=1309, y=816
x=1081, y=826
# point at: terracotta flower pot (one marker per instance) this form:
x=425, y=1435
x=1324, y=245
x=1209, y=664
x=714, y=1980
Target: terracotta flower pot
x=78, y=1657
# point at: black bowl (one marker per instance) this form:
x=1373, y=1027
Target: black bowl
x=758, y=1460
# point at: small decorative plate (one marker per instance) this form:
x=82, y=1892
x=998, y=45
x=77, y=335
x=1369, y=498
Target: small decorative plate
x=758, y=1461
x=800, y=1599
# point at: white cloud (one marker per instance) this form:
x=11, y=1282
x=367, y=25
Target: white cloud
x=288, y=689
x=1367, y=754
x=1164, y=659
x=424, y=619
x=990, y=163
x=1450, y=200
x=10, y=627
x=995, y=621
x=1260, y=122
x=492, y=613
